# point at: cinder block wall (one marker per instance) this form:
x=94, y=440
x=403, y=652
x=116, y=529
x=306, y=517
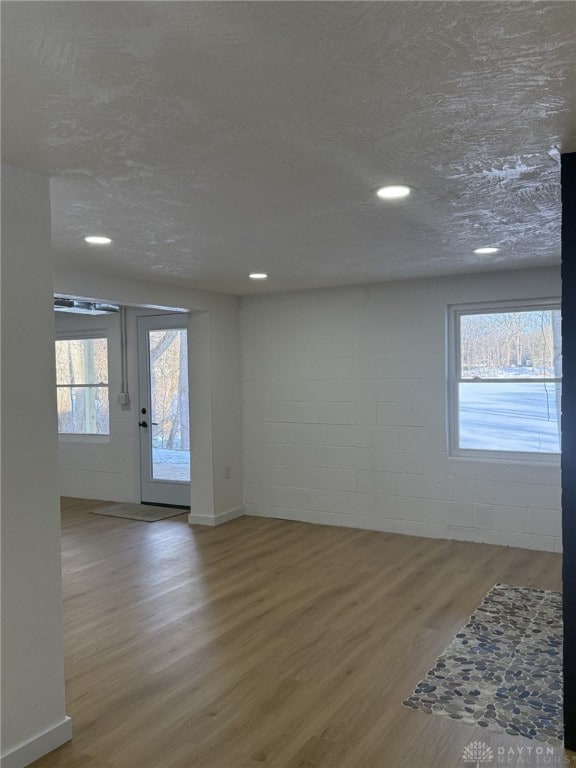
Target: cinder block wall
x=344, y=408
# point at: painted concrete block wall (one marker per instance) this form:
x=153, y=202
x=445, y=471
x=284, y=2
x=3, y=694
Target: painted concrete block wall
x=344, y=408
x=215, y=378
x=33, y=714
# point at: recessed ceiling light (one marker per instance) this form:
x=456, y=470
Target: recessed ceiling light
x=395, y=192
x=98, y=240
x=485, y=251
x=257, y=275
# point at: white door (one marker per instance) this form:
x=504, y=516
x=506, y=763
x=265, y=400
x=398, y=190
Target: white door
x=164, y=410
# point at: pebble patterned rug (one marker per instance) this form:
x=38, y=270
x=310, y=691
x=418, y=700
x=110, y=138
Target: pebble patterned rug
x=503, y=670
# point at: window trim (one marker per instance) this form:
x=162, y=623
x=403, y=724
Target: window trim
x=97, y=333
x=455, y=312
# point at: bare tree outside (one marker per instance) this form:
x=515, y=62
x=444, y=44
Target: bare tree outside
x=82, y=386
x=168, y=355
x=504, y=344
x=169, y=375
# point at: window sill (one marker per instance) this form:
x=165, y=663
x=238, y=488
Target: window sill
x=531, y=459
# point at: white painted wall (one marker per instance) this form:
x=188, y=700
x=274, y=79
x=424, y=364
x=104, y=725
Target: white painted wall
x=344, y=406
x=33, y=715
x=214, y=357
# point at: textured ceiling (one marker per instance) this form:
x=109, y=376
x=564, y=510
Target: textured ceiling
x=212, y=139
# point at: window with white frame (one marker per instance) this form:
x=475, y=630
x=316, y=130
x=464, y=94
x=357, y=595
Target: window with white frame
x=505, y=379
x=82, y=385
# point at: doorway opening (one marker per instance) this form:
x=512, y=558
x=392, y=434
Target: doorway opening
x=139, y=382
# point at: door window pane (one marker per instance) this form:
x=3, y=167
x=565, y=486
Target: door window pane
x=170, y=425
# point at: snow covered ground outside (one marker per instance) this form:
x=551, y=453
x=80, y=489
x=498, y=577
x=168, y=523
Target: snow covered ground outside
x=509, y=417
x=171, y=465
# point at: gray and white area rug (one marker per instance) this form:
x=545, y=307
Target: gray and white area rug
x=503, y=670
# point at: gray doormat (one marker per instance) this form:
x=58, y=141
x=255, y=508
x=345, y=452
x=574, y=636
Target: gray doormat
x=143, y=512
x=503, y=670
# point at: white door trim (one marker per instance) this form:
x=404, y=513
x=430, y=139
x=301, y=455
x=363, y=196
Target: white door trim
x=153, y=491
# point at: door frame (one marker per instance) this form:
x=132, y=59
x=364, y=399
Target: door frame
x=171, y=493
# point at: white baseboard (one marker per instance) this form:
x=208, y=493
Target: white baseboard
x=40, y=745
x=217, y=519
x=341, y=520
x=229, y=514
x=194, y=519
x=522, y=540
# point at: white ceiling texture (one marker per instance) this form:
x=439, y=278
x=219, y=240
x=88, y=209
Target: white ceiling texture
x=212, y=139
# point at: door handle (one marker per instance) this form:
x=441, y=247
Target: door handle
x=142, y=423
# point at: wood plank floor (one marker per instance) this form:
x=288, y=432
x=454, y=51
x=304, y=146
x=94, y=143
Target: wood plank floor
x=267, y=643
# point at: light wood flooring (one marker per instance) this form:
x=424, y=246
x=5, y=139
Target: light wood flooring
x=267, y=643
